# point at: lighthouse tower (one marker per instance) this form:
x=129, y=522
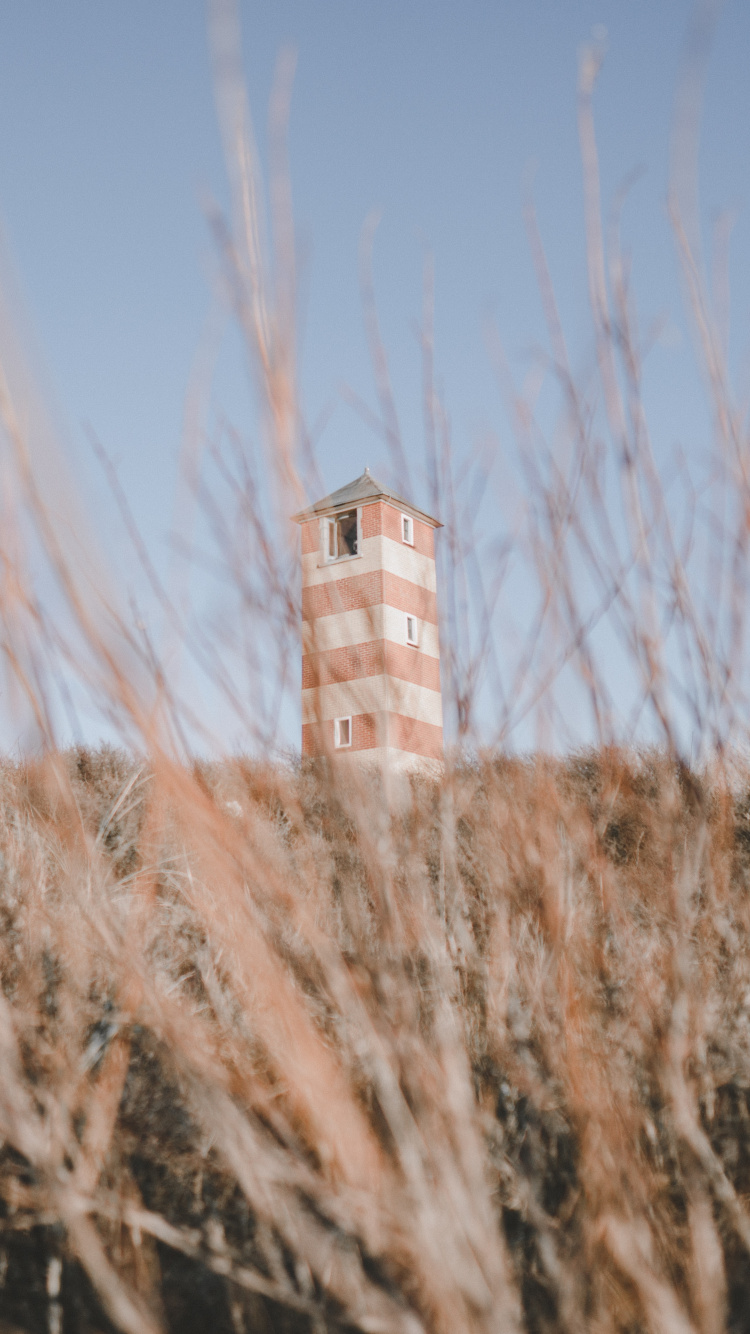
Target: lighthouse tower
x=370, y=651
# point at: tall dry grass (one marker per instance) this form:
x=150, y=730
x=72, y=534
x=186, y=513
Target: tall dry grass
x=282, y=1051
x=273, y=1058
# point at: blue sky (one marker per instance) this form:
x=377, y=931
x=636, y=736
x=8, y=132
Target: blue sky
x=432, y=114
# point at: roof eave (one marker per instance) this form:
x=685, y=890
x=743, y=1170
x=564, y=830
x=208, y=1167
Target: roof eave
x=397, y=502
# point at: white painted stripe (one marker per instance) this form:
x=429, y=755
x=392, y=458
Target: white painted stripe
x=372, y=694
x=378, y=553
x=345, y=628
x=390, y=761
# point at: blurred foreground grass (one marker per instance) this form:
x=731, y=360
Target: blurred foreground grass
x=279, y=1057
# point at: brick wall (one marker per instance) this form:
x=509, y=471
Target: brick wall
x=370, y=659
x=358, y=591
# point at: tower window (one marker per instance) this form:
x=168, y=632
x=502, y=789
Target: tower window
x=341, y=535
x=407, y=530
x=342, y=733
x=412, y=630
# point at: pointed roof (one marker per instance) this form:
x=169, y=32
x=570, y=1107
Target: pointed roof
x=362, y=490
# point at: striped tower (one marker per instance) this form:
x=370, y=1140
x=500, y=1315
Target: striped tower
x=370, y=652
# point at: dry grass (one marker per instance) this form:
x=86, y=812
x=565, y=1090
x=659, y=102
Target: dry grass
x=284, y=1052
x=479, y=1063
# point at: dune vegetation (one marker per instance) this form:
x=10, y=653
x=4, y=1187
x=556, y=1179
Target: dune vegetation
x=274, y=1058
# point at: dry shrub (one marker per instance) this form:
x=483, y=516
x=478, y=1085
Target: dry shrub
x=493, y=1076
x=495, y=1073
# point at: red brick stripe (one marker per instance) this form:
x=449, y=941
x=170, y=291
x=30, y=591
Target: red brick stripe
x=371, y=659
x=358, y=591
x=378, y=519
x=310, y=536
x=377, y=729
x=412, y=735
x=382, y=518
x=367, y=732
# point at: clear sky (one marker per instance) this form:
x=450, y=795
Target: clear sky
x=431, y=113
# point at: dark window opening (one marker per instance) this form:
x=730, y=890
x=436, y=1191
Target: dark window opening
x=342, y=535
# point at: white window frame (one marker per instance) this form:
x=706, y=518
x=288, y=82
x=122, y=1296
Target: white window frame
x=328, y=526
x=337, y=742
x=407, y=526
x=325, y=523
x=413, y=639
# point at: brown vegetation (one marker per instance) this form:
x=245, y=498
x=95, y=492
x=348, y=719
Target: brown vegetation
x=274, y=1059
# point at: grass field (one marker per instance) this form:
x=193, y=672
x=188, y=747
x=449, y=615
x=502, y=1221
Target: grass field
x=276, y=1058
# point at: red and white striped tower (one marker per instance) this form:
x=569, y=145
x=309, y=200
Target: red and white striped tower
x=370, y=651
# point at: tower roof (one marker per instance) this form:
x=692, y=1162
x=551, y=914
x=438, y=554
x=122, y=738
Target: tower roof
x=358, y=492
